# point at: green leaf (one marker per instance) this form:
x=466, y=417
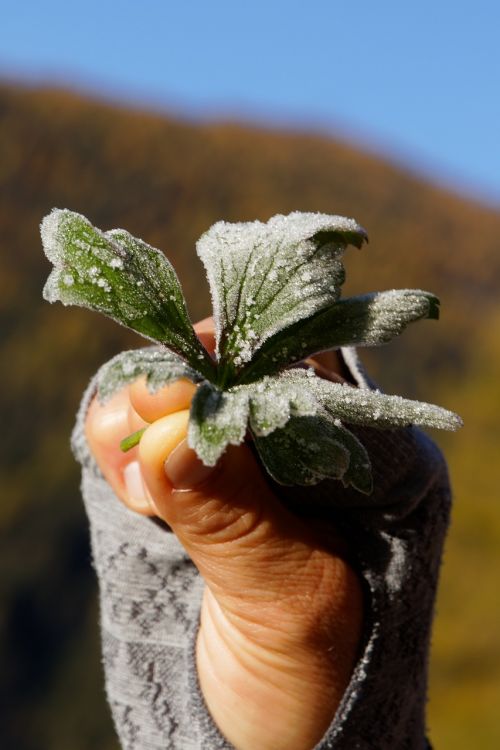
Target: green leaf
x=310, y=449
x=367, y=320
x=158, y=365
x=372, y=408
x=297, y=439
x=118, y=275
x=217, y=419
x=275, y=400
x=359, y=472
x=266, y=277
x=297, y=397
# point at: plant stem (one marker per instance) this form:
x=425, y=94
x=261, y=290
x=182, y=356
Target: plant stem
x=132, y=440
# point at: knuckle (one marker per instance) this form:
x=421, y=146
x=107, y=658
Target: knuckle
x=172, y=397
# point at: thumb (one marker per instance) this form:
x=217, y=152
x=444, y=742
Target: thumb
x=246, y=545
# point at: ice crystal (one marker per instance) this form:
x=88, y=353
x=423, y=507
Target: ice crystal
x=275, y=290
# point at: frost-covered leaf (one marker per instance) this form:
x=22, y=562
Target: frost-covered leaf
x=120, y=276
x=298, y=440
x=217, y=419
x=274, y=400
x=159, y=365
x=276, y=296
x=287, y=405
x=367, y=320
x=359, y=471
x=303, y=452
x=310, y=449
x=372, y=408
x=265, y=277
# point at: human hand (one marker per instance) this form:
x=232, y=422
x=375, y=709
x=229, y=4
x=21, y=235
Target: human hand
x=282, y=609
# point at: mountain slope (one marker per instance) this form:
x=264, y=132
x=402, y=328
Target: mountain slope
x=167, y=182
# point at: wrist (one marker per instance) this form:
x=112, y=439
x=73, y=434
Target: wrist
x=275, y=688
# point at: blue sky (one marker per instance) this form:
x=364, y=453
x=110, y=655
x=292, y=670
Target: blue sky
x=418, y=81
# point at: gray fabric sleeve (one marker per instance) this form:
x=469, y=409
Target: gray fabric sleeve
x=150, y=596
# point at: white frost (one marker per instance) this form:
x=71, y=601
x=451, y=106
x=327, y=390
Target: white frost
x=265, y=277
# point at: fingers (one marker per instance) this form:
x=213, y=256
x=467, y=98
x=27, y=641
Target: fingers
x=130, y=410
x=224, y=515
x=248, y=548
x=327, y=365
x=105, y=427
x=253, y=553
x=205, y=331
x=175, y=396
x=227, y=512
x=152, y=406
x=209, y=507
x=274, y=579
x=204, y=505
x=157, y=443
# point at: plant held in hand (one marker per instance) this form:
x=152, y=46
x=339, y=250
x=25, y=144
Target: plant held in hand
x=276, y=300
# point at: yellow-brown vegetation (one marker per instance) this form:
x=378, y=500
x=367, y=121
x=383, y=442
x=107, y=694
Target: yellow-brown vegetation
x=167, y=182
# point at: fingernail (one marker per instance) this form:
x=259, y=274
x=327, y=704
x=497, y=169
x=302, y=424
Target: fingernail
x=184, y=470
x=134, y=484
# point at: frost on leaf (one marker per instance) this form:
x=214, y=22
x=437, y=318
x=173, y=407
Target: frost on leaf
x=287, y=449
x=217, y=419
x=265, y=277
x=276, y=298
x=274, y=400
x=158, y=365
x=367, y=320
x=310, y=449
x=375, y=409
x=122, y=277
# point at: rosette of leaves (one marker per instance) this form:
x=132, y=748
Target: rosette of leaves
x=276, y=294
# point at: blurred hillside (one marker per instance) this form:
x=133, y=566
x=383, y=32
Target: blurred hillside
x=167, y=182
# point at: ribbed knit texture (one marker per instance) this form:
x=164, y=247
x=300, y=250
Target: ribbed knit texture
x=150, y=594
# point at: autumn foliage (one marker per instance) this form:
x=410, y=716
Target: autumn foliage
x=167, y=181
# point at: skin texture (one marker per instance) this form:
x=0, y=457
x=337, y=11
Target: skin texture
x=282, y=610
